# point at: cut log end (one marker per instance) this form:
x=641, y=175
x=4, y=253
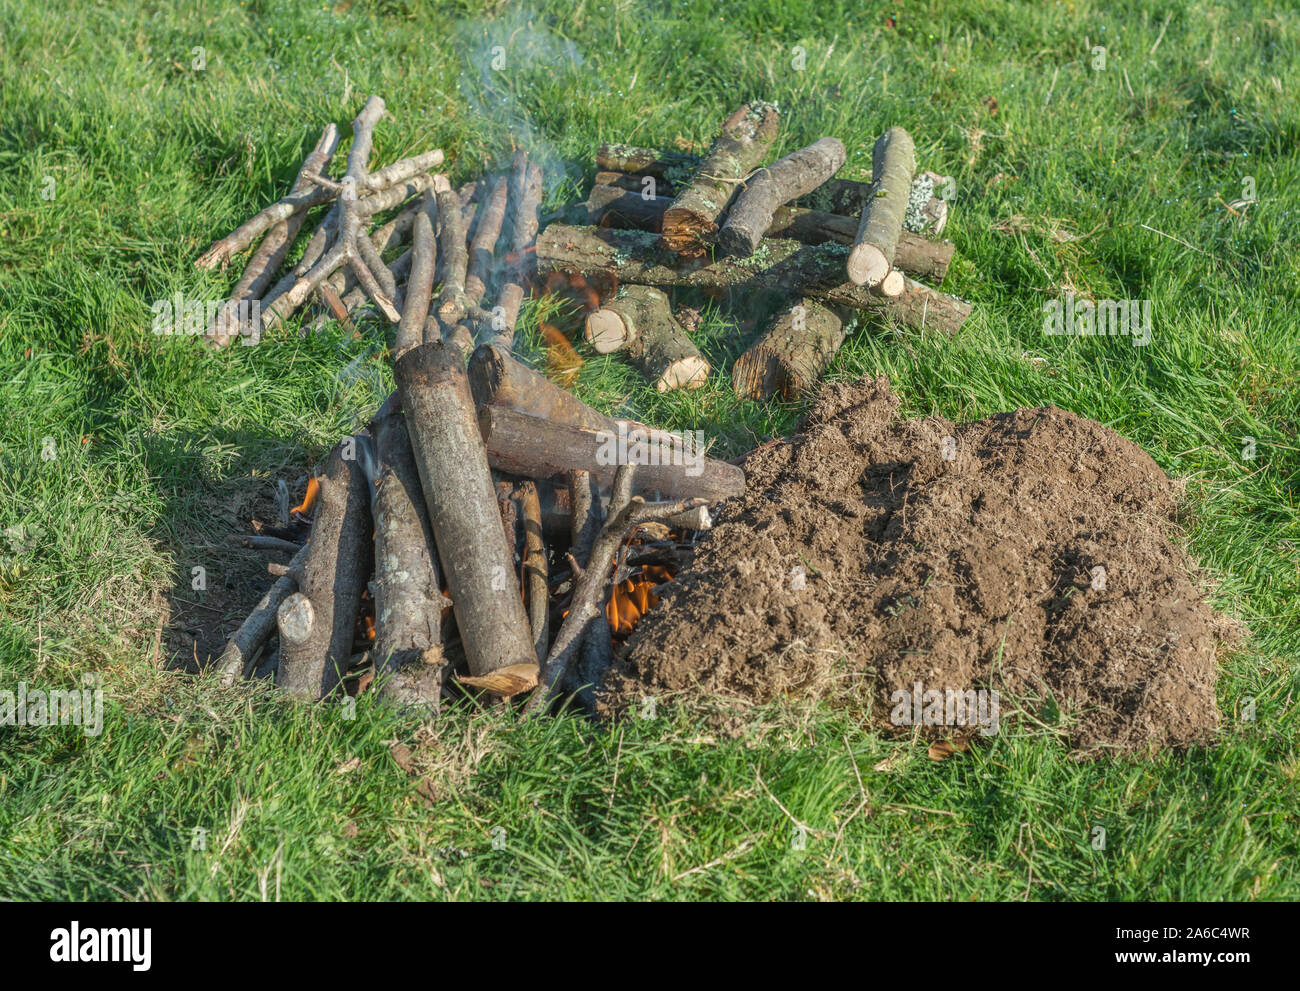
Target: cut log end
x=687, y=233
x=606, y=331
x=892, y=284
x=295, y=618
x=867, y=266
x=690, y=372
x=507, y=681
x=758, y=374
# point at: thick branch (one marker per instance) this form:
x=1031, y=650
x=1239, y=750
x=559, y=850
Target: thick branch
x=535, y=571
x=352, y=247
x=408, y=602
x=597, y=652
x=893, y=163
x=270, y=254
x=587, y=606
x=498, y=378
x=263, y=543
x=318, y=624
x=457, y=487
x=526, y=197
x=792, y=353
x=222, y=250
x=356, y=296
x=419, y=287
x=798, y=173
x=691, y=223
x=531, y=447
x=483, y=247
x=452, y=254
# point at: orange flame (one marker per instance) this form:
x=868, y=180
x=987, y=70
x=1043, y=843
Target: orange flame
x=308, y=500
x=562, y=361
x=633, y=597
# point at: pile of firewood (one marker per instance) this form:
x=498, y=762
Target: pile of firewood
x=828, y=246
x=488, y=531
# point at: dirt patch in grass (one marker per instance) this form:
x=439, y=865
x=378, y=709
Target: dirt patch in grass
x=199, y=622
x=1028, y=553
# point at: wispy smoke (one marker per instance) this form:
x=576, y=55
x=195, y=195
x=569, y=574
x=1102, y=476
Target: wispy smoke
x=513, y=67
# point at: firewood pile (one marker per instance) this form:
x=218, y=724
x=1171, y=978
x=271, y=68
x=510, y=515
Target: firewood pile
x=828, y=246
x=488, y=532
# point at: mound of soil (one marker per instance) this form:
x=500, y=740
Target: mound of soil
x=1028, y=553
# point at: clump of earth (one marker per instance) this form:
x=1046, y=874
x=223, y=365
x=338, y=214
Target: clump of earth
x=1031, y=553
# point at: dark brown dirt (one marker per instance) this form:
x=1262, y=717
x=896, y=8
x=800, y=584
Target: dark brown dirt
x=969, y=571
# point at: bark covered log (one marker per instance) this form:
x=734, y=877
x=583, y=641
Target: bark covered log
x=847, y=197
x=408, y=600
x=893, y=164
x=917, y=256
x=501, y=380
x=611, y=206
x=691, y=223
x=795, y=175
x=535, y=569
x=673, y=169
x=525, y=199
x=621, y=320
x=640, y=320
x=483, y=247
x=670, y=465
x=498, y=378
x=643, y=185
x=781, y=265
x=318, y=623
x=419, y=285
x=672, y=166
x=791, y=354
x=457, y=488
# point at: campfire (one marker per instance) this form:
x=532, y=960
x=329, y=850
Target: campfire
x=478, y=536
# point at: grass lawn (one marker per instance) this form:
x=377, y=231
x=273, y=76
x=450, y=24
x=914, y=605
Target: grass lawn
x=127, y=458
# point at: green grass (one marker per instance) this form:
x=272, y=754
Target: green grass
x=159, y=446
